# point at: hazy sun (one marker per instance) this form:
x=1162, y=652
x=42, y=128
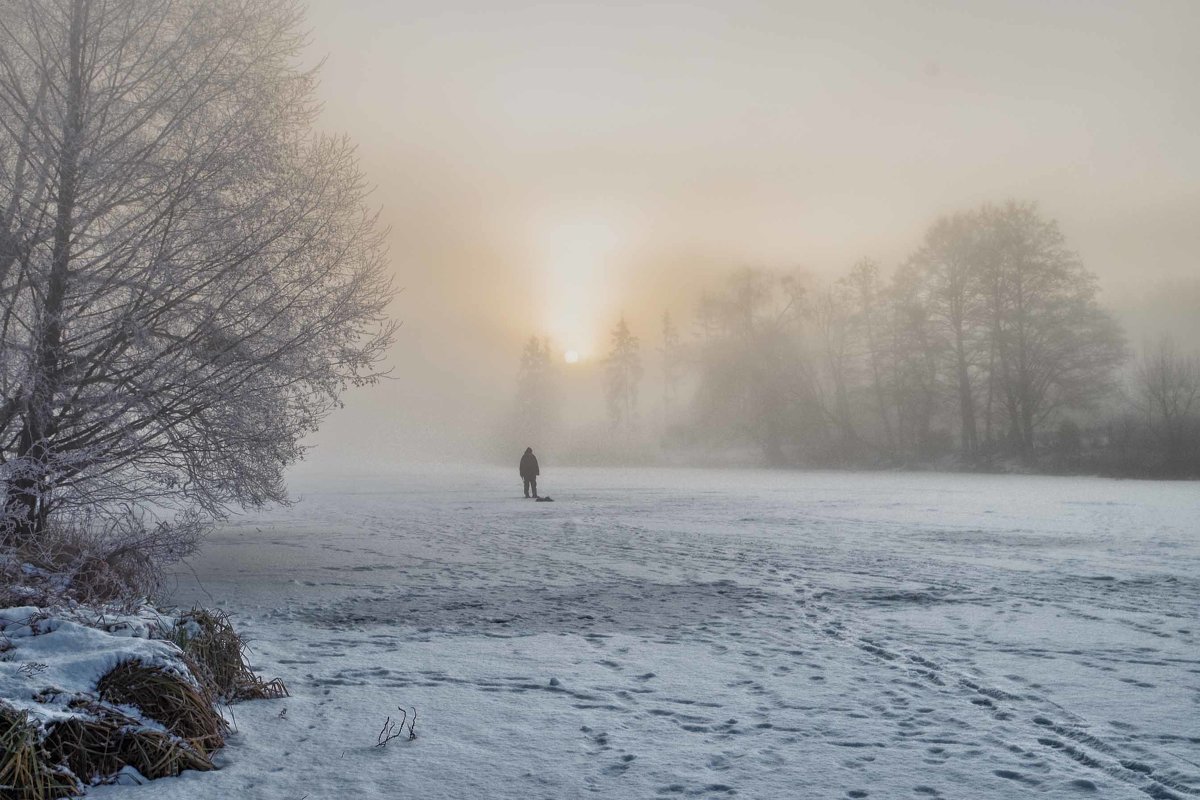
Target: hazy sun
x=572, y=357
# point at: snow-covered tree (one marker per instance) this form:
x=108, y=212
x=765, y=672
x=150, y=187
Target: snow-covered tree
x=189, y=276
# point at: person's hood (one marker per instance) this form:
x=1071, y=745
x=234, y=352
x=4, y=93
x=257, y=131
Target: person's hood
x=528, y=451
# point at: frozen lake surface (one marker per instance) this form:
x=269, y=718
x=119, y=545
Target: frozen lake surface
x=663, y=633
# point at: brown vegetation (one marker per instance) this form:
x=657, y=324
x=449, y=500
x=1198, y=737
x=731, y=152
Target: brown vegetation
x=218, y=657
x=183, y=708
x=104, y=742
x=57, y=759
x=27, y=771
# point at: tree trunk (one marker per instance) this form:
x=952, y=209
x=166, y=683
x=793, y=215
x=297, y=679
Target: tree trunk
x=877, y=380
x=966, y=402
x=28, y=496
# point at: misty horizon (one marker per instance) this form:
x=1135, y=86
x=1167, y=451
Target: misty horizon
x=544, y=170
x=623, y=399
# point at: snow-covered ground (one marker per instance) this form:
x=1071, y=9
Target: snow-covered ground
x=659, y=633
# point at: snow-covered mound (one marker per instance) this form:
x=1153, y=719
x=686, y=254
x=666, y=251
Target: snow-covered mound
x=95, y=697
x=47, y=660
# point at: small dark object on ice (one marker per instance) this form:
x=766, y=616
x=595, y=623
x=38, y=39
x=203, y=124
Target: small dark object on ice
x=545, y=499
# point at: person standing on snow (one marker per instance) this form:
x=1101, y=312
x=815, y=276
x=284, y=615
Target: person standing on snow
x=529, y=471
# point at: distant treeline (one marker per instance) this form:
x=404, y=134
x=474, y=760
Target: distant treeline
x=985, y=349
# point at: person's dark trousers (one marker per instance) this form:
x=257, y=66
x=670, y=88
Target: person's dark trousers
x=531, y=483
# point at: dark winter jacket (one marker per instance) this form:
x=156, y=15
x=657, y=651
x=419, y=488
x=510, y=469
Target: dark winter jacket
x=529, y=465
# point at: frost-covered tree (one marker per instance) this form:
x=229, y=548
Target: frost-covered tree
x=916, y=373
x=1055, y=347
x=537, y=409
x=1014, y=332
x=871, y=320
x=754, y=386
x=623, y=375
x=672, y=365
x=837, y=373
x=189, y=276
x=1168, y=388
x=951, y=267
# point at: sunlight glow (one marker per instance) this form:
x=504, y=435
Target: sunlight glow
x=577, y=254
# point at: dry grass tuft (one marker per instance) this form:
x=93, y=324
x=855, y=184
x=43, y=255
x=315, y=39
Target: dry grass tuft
x=55, y=759
x=27, y=771
x=183, y=709
x=219, y=657
x=100, y=745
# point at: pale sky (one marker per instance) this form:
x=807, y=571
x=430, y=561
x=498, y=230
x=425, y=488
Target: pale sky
x=546, y=166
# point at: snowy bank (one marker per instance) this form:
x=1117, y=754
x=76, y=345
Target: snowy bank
x=90, y=697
